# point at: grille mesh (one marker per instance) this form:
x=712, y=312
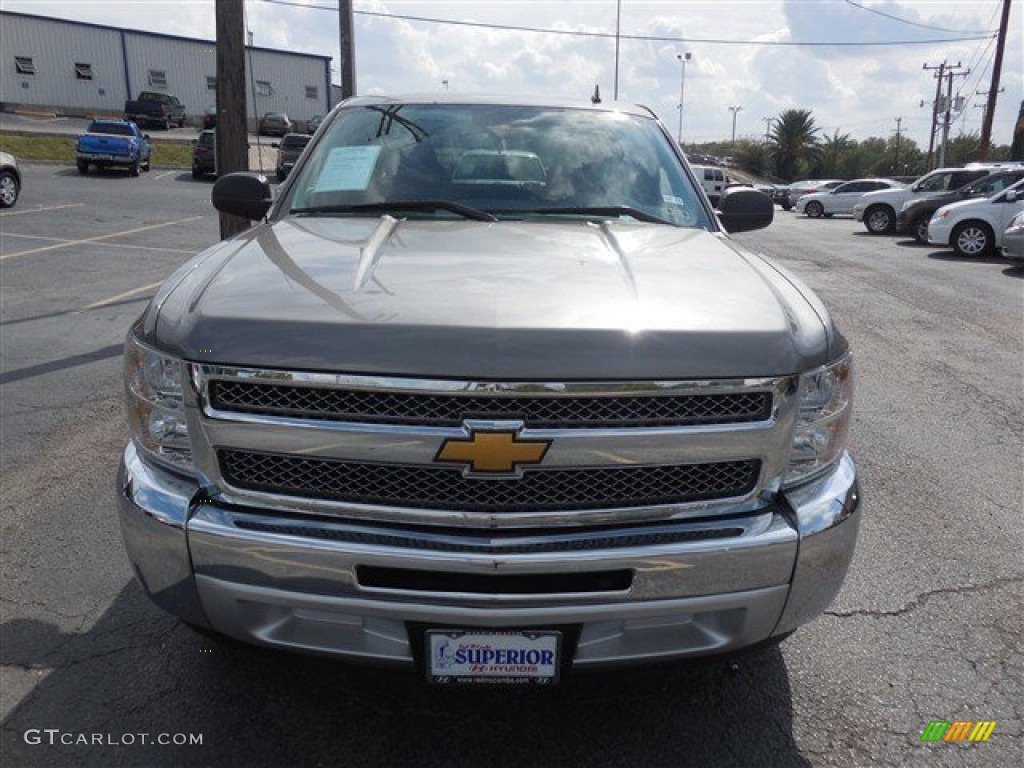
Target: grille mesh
x=551, y=412
x=447, y=488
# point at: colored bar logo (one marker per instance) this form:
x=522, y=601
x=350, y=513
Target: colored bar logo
x=958, y=730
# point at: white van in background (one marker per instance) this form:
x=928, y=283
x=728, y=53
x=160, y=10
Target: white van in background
x=712, y=178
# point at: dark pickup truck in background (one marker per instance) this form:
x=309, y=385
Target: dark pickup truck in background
x=155, y=108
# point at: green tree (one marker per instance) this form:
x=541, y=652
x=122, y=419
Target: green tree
x=793, y=142
x=752, y=156
x=869, y=158
x=832, y=154
x=1017, y=145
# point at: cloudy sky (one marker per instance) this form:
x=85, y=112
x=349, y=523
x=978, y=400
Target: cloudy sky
x=765, y=56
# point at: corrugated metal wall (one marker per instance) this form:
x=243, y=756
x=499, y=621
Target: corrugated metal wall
x=288, y=78
x=54, y=49
x=120, y=61
x=184, y=65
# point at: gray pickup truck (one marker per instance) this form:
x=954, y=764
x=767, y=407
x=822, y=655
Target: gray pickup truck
x=490, y=392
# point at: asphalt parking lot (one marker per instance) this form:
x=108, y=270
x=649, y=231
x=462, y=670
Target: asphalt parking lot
x=927, y=627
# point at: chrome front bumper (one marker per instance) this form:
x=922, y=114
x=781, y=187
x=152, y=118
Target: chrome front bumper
x=237, y=572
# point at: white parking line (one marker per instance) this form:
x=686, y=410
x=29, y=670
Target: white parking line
x=96, y=239
x=119, y=297
x=166, y=173
x=5, y=214
x=105, y=245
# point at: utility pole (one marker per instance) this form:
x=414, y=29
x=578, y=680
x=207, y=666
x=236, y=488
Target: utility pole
x=618, y=34
x=950, y=74
x=896, y=163
x=997, y=67
x=935, y=109
x=346, y=40
x=767, y=128
x=734, y=110
x=683, y=58
x=232, y=139
x=984, y=107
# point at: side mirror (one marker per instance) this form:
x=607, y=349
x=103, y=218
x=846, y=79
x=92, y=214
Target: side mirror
x=742, y=209
x=145, y=136
x=244, y=194
x=275, y=145
x=1012, y=196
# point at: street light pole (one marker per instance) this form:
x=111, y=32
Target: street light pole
x=734, y=110
x=683, y=58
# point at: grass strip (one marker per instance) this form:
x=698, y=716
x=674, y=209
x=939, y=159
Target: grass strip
x=61, y=149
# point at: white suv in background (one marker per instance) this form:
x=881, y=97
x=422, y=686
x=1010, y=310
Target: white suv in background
x=878, y=210
x=976, y=227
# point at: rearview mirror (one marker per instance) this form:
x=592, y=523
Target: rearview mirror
x=741, y=209
x=244, y=194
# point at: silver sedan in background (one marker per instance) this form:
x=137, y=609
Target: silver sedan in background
x=10, y=180
x=1013, y=238
x=842, y=198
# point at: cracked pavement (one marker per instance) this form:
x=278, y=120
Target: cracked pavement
x=927, y=626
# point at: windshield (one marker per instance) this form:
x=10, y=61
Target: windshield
x=510, y=161
x=992, y=185
x=1017, y=187
x=937, y=182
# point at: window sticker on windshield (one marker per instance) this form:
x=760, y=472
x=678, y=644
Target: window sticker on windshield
x=348, y=169
x=674, y=200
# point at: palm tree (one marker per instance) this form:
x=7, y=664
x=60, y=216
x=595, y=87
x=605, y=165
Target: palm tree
x=794, y=138
x=832, y=154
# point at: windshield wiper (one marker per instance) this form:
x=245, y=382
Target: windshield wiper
x=605, y=211
x=402, y=205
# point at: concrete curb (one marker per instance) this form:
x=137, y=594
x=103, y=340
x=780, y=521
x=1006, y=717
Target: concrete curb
x=32, y=112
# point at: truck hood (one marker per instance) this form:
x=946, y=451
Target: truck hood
x=507, y=300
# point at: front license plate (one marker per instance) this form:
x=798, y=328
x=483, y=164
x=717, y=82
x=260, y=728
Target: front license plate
x=510, y=658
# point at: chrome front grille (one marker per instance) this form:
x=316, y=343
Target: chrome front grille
x=367, y=449
x=448, y=488
x=550, y=411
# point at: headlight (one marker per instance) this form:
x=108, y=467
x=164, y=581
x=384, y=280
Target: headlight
x=156, y=409
x=823, y=420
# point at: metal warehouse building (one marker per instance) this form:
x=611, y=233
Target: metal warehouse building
x=71, y=67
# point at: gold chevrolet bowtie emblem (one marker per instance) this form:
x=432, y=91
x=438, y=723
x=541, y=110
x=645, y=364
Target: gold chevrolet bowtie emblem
x=493, y=452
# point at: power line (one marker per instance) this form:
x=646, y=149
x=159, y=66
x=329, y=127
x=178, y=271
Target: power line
x=974, y=65
x=641, y=38
x=914, y=23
